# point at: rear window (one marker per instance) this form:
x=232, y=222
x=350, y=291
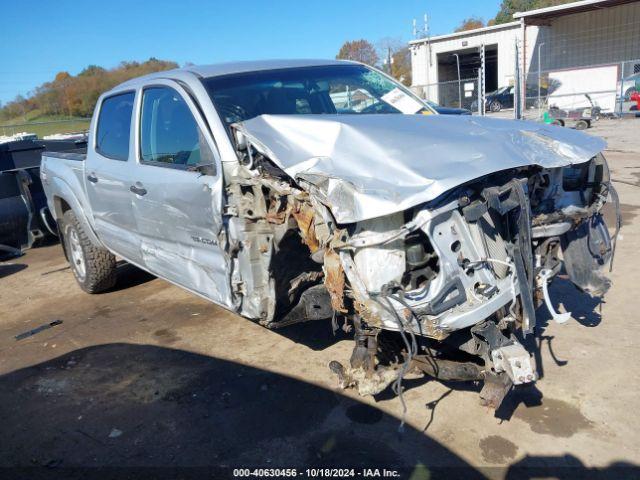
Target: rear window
x=114, y=125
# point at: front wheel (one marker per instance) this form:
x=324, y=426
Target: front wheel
x=93, y=267
x=582, y=125
x=495, y=106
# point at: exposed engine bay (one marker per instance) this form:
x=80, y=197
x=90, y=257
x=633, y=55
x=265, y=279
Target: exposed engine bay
x=445, y=285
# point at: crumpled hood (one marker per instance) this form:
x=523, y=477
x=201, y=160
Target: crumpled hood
x=367, y=166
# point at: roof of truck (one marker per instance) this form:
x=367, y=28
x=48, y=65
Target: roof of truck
x=219, y=69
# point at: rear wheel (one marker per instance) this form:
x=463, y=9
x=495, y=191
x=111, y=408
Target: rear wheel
x=560, y=123
x=495, y=106
x=93, y=267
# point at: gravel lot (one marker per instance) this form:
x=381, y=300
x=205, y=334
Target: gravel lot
x=148, y=375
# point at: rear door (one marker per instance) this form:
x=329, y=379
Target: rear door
x=108, y=169
x=178, y=210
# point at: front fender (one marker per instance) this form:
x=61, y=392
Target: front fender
x=586, y=251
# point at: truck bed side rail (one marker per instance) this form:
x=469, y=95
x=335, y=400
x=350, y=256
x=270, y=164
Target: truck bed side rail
x=78, y=155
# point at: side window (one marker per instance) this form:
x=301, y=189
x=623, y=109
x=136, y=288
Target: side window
x=168, y=132
x=114, y=125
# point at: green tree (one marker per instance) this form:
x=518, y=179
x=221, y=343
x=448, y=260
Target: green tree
x=360, y=51
x=509, y=7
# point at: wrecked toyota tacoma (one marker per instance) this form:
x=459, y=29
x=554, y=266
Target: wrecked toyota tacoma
x=302, y=191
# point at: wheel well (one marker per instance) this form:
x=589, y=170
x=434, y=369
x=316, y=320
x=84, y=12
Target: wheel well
x=61, y=206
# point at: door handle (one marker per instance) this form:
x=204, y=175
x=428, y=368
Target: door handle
x=92, y=178
x=138, y=190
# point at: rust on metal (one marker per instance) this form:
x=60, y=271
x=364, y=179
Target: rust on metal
x=304, y=216
x=334, y=280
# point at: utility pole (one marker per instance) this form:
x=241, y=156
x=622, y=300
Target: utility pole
x=539, y=79
x=424, y=34
x=482, y=82
x=517, y=100
x=459, y=91
x=428, y=35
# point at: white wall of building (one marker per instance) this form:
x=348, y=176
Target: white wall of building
x=605, y=36
x=425, y=70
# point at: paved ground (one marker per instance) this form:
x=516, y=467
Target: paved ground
x=149, y=375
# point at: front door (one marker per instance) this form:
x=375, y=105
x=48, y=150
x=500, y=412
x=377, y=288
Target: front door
x=109, y=167
x=178, y=210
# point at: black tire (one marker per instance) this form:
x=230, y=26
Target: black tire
x=93, y=267
x=582, y=125
x=495, y=106
x=560, y=123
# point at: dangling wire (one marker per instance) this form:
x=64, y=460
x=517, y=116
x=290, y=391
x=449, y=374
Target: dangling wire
x=406, y=331
x=410, y=343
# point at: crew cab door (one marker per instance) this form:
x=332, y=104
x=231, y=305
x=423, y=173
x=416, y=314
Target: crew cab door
x=109, y=166
x=178, y=210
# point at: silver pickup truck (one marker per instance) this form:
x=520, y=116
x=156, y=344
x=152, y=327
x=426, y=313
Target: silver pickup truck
x=325, y=190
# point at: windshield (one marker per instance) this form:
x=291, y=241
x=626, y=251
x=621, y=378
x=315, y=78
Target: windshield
x=499, y=91
x=328, y=89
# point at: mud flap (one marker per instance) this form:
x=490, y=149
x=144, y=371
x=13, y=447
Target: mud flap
x=586, y=250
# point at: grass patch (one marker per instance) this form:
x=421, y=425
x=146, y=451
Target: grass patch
x=43, y=125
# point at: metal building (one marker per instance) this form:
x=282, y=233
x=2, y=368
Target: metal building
x=587, y=47
x=435, y=62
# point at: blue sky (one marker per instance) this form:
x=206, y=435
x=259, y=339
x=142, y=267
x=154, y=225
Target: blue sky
x=40, y=38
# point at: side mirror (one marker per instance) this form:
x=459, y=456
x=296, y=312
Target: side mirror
x=207, y=163
x=204, y=169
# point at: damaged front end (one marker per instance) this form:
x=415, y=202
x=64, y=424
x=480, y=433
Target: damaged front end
x=443, y=286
